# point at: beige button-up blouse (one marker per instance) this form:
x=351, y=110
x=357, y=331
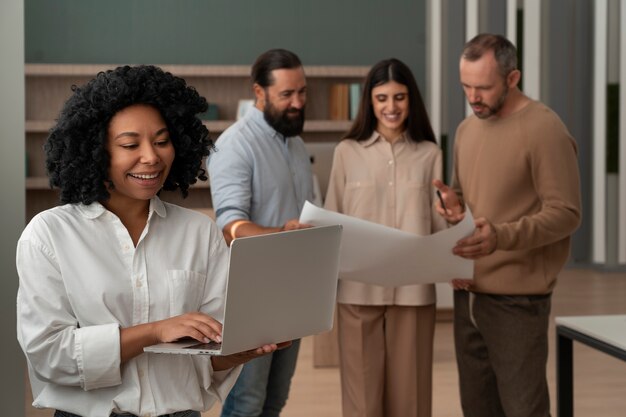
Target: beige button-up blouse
x=390, y=185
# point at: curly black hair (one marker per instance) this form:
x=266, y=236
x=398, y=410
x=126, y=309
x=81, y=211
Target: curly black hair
x=77, y=161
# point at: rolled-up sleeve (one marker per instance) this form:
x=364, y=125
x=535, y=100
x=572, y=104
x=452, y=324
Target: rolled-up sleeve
x=216, y=383
x=58, y=350
x=98, y=356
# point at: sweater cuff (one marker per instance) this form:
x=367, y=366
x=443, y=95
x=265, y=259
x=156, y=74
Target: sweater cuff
x=504, y=240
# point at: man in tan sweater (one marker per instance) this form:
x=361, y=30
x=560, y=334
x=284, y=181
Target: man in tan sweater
x=515, y=167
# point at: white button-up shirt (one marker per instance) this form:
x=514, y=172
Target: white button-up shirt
x=81, y=279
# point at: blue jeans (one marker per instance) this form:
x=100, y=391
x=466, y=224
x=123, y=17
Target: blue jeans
x=263, y=386
x=188, y=413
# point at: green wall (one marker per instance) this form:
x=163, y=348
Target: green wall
x=321, y=32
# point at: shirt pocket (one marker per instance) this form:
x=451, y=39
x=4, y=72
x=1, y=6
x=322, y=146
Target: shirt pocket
x=186, y=289
x=359, y=199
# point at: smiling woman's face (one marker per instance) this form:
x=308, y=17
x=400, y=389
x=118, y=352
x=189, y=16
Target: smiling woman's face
x=141, y=153
x=390, y=102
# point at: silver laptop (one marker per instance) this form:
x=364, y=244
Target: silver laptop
x=281, y=286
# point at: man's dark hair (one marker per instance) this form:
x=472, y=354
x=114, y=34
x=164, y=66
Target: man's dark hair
x=417, y=122
x=272, y=60
x=77, y=161
x=504, y=51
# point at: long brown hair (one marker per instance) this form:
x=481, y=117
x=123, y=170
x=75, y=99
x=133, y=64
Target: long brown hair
x=417, y=123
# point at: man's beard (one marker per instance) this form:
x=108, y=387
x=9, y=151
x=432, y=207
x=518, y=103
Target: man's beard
x=493, y=110
x=289, y=122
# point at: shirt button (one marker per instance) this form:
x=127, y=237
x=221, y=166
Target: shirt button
x=138, y=283
x=390, y=162
x=140, y=373
x=126, y=247
x=391, y=183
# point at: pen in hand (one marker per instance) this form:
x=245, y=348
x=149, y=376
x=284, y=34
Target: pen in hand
x=443, y=205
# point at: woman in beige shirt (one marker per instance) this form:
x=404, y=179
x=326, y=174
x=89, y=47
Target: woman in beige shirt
x=382, y=172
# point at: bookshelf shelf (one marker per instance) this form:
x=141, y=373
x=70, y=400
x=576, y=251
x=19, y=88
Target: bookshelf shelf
x=37, y=183
x=228, y=71
x=44, y=126
x=38, y=126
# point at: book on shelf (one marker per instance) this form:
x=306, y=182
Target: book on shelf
x=355, y=99
x=343, y=101
x=338, y=101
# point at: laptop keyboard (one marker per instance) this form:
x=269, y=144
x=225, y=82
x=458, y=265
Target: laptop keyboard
x=206, y=346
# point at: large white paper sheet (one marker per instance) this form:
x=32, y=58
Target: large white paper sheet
x=381, y=255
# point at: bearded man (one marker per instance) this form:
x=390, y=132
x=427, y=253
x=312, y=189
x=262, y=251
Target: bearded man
x=260, y=178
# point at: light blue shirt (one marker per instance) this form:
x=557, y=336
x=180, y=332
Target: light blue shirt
x=259, y=175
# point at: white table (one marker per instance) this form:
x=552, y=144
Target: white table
x=604, y=333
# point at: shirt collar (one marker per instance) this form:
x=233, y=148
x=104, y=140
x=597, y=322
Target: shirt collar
x=157, y=206
x=95, y=209
x=377, y=136
x=91, y=211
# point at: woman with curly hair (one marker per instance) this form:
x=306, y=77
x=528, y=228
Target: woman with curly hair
x=115, y=269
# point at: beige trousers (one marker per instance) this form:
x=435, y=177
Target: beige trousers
x=386, y=360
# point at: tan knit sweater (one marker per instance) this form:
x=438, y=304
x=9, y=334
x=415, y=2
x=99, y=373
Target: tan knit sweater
x=520, y=172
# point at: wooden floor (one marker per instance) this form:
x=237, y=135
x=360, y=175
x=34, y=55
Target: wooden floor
x=599, y=380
